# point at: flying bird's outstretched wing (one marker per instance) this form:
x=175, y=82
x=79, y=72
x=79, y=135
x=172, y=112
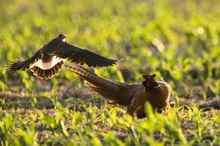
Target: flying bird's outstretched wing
x=48, y=60
x=82, y=56
x=23, y=64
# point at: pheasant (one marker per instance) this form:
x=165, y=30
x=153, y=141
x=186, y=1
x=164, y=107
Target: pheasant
x=133, y=96
x=48, y=60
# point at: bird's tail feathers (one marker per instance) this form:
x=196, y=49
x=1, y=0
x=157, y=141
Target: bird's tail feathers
x=106, y=88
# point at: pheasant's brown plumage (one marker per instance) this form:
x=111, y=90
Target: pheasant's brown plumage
x=133, y=96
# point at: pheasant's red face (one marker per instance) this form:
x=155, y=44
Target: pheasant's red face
x=149, y=80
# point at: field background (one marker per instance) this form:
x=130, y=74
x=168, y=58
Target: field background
x=178, y=40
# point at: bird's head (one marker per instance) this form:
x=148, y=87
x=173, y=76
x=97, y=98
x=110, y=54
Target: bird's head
x=62, y=37
x=55, y=42
x=149, y=81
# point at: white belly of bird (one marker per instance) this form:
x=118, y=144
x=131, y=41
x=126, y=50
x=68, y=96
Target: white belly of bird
x=47, y=65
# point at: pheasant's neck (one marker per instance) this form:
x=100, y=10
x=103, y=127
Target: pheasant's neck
x=155, y=85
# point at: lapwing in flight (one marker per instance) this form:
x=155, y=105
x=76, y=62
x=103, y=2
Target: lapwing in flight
x=48, y=60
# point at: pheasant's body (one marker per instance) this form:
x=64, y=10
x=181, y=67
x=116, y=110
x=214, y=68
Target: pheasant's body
x=158, y=98
x=134, y=96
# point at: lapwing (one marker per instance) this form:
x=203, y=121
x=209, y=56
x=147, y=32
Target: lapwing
x=48, y=60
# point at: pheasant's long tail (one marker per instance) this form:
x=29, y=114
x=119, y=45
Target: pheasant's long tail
x=98, y=84
x=91, y=77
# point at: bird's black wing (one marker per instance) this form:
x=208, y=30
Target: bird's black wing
x=23, y=64
x=82, y=56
